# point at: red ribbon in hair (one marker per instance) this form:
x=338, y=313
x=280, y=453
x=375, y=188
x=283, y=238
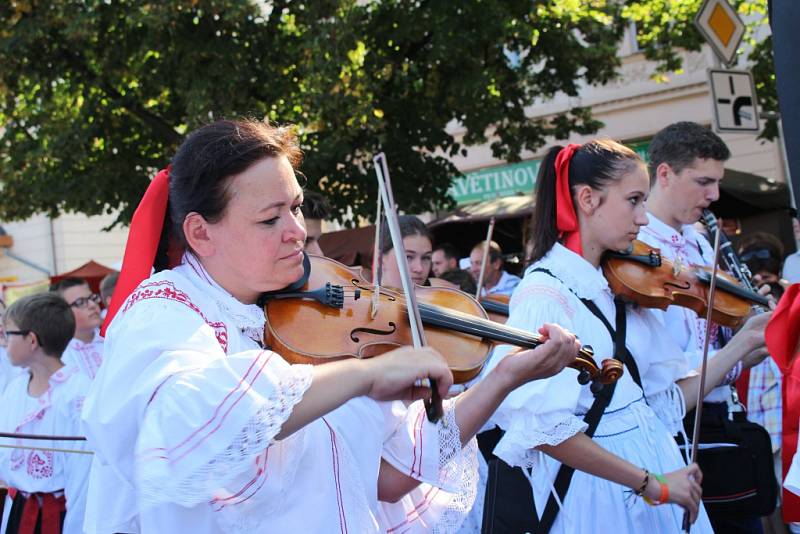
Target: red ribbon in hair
x=566, y=219
x=143, y=237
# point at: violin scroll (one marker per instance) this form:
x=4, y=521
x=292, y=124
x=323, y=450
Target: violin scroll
x=588, y=371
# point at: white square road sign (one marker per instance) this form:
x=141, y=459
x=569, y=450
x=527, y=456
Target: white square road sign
x=734, y=99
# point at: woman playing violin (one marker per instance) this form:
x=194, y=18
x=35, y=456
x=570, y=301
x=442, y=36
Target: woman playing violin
x=590, y=199
x=198, y=428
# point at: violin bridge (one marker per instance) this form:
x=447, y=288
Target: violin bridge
x=677, y=267
x=373, y=306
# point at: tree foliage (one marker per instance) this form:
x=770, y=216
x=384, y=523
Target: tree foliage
x=96, y=95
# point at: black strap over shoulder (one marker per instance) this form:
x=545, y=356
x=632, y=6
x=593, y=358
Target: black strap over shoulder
x=601, y=401
x=621, y=332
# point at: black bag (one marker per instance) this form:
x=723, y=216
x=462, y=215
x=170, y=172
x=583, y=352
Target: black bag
x=737, y=464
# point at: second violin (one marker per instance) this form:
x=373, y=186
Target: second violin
x=641, y=275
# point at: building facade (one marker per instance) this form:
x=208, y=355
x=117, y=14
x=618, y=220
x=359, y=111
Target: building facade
x=632, y=108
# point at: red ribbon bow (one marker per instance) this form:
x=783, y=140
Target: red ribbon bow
x=566, y=219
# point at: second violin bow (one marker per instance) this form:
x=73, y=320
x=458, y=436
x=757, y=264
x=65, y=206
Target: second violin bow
x=698, y=410
x=486, y=243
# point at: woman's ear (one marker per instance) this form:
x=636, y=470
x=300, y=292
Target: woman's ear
x=198, y=237
x=587, y=200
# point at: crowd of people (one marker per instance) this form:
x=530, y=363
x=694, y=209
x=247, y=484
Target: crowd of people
x=159, y=407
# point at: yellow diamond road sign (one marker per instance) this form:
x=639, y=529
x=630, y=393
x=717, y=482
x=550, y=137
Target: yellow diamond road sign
x=721, y=27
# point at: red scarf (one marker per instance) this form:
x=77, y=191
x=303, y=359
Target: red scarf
x=143, y=237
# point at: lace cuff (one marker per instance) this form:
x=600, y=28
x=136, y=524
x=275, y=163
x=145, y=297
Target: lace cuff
x=159, y=482
x=518, y=444
x=670, y=407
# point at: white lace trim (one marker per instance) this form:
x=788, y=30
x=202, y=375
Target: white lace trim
x=670, y=407
x=518, y=444
x=248, y=318
x=458, y=470
x=157, y=486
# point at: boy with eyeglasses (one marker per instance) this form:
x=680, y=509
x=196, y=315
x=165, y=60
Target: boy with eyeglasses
x=85, y=351
x=47, y=480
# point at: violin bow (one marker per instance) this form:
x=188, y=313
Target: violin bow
x=489, y=233
x=698, y=411
x=377, y=264
x=433, y=407
x=43, y=437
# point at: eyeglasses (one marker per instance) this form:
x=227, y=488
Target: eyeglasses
x=761, y=254
x=82, y=302
x=5, y=333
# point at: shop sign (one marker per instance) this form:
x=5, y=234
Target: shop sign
x=507, y=180
x=494, y=182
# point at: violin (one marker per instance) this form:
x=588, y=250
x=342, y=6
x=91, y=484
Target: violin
x=496, y=307
x=337, y=300
x=642, y=276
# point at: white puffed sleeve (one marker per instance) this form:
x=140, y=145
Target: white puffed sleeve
x=206, y=427
x=171, y=412
x=541, y=412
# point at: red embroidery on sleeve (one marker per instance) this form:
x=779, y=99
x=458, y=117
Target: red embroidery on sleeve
x=164, y=289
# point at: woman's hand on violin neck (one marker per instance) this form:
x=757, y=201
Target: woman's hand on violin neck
x=394, y=375
x=684, y=489
x=751, y=335
x=559, y=349
x=766, y=291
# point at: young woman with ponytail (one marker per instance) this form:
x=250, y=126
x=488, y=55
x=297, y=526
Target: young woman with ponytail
x=629, y=477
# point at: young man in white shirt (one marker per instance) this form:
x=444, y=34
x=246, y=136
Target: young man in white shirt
x=687, y=164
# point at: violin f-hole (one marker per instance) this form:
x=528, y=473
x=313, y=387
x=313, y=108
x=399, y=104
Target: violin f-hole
x=685, y=285
x=355, y=331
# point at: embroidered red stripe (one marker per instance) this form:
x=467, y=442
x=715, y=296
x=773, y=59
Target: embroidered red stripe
x=261, y=474
x=420, y=508
x=225, y=415
x=216, y=411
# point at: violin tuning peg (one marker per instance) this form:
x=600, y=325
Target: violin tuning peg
x=584, y=377
x=596, y=387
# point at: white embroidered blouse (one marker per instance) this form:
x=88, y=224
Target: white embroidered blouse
x=184, y=412
x=55, y=413
x=85, y=356
x=550, y=411
x=688, y=329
